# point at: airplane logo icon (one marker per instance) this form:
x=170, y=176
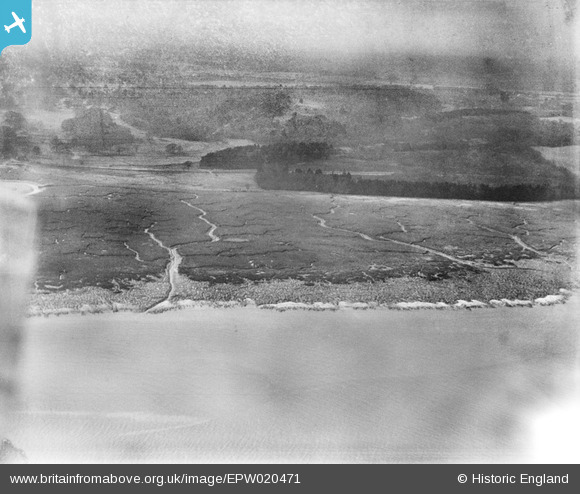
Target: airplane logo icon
x=17, y=23
x=11, y=35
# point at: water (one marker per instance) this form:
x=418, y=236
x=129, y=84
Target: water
x=244, y=384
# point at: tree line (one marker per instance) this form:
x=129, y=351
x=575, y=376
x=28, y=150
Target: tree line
x=344, y=183
x=254, y=156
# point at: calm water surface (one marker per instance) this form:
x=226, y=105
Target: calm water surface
x=234, y=385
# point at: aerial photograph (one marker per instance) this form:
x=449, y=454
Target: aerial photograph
x=295, y=231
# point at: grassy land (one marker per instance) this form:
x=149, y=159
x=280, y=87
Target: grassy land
x=91, y=235
x=271, y=247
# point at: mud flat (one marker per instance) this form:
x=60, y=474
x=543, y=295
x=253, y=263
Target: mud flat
x=228, y=232
x=248, y=385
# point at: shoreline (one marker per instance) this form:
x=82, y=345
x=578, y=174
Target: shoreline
x=167, y=305
x=174, y=291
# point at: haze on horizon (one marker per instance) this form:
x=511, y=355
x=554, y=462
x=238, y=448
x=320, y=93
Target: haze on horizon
x=496, y=28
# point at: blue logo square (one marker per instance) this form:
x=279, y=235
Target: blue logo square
x=15, y=22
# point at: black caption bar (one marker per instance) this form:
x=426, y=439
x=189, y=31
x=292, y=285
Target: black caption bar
x=291, y=478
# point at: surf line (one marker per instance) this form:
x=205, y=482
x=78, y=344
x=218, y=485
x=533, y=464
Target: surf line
x=202, y=217
x=171, y=272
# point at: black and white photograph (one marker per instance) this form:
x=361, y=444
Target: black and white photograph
x=290, y=232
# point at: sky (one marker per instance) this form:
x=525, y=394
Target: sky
x=509, y=28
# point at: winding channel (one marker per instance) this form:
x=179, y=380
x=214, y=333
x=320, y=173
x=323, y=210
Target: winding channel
x=202, y=217
x=137, y=257
x=172, y=271
x=364, y=236
x=515, y=238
